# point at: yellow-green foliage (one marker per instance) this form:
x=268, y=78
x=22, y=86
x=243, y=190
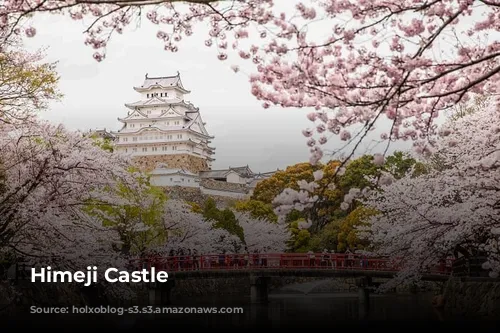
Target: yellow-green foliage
x=268, y=189
x=348, y=233
x=299, y=241
x=222, y=219
x=326, y=238
x=104, y=143
x=26, y=85
x=195, y=208
x=141, y=205
x=257, y=209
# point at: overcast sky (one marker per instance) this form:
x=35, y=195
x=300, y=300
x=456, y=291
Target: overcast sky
x=95, y=93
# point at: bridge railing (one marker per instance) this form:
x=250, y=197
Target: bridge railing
x=319, y=261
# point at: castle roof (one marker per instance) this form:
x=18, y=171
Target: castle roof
x=162, y=82
x=103, y=133
x=162, y=169
x=164, y=129
x=243, y=171
x=157, y=101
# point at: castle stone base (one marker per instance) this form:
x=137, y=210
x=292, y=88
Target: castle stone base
x=188, y=162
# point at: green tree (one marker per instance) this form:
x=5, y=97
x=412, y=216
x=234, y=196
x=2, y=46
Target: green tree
x=137, y=217
x=27, y=84
x=299, y=241
x=348, y=237
x=222, y=219
x=400, y=163
x=326, y=238
x=257, y=209
x=103, y=143
x=356, y=172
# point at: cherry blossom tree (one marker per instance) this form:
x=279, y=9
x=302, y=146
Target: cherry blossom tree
x=27, y=84
x=354, y=61
x=190, y=230
x=264, y=236
x=450, y=210
x=135, y=212
x=48, y=175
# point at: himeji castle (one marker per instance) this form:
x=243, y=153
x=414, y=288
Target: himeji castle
x=161, y=127
x=166, y=137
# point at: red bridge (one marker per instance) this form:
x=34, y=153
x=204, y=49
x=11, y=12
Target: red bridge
x=261, y=267
x=334, y=264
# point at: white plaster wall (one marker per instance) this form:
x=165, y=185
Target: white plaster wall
x=233, y=177
x=174, y=180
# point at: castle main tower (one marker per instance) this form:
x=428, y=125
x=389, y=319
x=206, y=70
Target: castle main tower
x=162, y=127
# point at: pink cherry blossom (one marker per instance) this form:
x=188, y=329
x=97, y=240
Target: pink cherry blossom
x=356, y=73
x=378, y=159
x=427, y=217
x=49, y=174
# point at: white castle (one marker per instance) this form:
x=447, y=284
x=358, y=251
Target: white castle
x=166, y=136
x=163, y=124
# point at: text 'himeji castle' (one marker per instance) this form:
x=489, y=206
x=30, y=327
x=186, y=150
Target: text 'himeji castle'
x=166, y=137
x=161, y=127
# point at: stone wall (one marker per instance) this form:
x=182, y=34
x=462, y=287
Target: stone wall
x=224, y=186
x=195, y=195
x=188, y=162
x=472, y=297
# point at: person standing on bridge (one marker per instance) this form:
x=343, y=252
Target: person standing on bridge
x=196, y=259
x=207, y=261
x=312, y=258
x=256, y=257
x=333, y=259
x=349, y=258
x=245, y=258
x=222, y=259
x=325, y=258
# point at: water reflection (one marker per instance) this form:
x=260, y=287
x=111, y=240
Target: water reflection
x=289, y=310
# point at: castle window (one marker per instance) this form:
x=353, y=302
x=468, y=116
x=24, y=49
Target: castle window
x=179, y=136
x=155, y=148
x=134, y=138
x=134, y=149
x=148, y=95
x=177, y=122
x=171, y=179
x=145, y=149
